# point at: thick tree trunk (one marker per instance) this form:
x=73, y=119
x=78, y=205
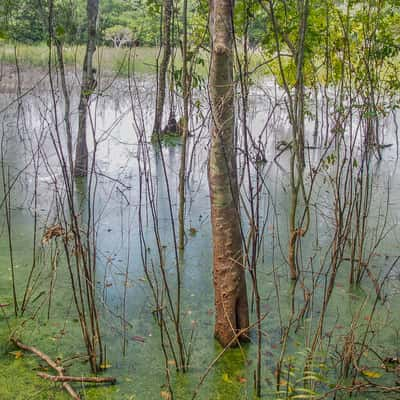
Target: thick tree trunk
x=87, y=87
x=162, y=70
x=229, y=276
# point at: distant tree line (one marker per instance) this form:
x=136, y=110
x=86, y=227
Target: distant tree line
x=121, y=22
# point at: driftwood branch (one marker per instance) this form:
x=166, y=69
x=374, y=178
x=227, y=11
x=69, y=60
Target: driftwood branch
x=60, y=370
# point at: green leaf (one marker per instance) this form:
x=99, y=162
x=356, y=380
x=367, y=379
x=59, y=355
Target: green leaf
x=3, y=35
x=60, y=31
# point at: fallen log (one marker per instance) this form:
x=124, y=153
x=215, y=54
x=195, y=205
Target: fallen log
x=60, y=370
x=81, y=379
x=41, y=355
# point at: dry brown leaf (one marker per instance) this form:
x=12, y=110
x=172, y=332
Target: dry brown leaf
x=241, y=379
x=52, y=232
x=17, y=354
x=165, y=395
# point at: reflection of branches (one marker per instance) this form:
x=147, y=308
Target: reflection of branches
x=167, y=303
x=23, y=95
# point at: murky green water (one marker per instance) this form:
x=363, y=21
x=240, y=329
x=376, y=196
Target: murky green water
x=120, y=275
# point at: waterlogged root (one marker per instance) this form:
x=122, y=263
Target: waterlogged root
x=60, y=371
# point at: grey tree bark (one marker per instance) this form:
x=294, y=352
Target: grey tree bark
x=88, y=86
x=185, y=127
x=162, y=70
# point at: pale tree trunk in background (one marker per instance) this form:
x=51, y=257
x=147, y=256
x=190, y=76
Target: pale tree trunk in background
x=162, y=70
x=185, y=126
x=88, y=85
x=229, y=276
x=63, y=77
x=67, y=103
x=297, y=160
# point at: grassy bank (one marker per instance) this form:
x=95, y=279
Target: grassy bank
x=108, y=60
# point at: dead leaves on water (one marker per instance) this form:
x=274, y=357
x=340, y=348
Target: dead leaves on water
x=52, y=232
x=17, y=354
x=238, y=378
x=105, y=365
x=371, y=374
x=192, y=231
x=55, y=231
x=165, y=395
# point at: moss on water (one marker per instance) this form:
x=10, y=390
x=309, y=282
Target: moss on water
x=140, y=372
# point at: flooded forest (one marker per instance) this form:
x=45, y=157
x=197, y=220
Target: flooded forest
x=198, y=199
